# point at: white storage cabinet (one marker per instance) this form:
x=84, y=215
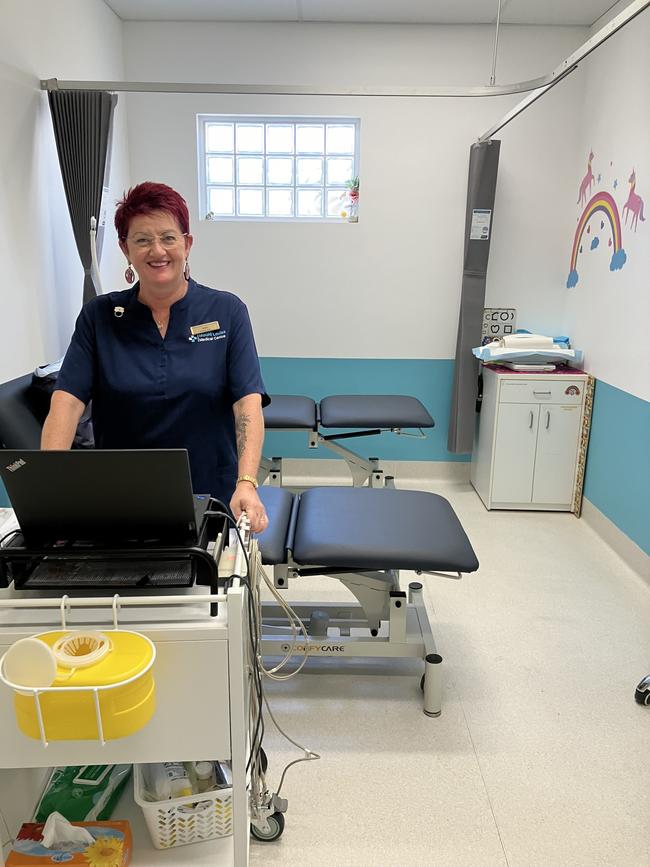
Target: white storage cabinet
x=526, y=447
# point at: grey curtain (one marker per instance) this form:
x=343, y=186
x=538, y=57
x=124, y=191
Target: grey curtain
x=481, y=188
x=82, y=121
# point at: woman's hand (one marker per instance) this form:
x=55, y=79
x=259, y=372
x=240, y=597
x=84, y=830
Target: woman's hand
x=245, y=499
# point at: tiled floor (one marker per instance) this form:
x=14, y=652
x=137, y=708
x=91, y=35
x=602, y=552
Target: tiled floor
x=541, y=757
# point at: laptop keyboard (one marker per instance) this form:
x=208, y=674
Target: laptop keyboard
x=106, y=574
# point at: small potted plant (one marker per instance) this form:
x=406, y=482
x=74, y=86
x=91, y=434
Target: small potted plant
x=351, y=203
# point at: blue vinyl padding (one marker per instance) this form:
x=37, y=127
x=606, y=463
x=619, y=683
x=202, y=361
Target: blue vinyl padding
x=366, y=528
x=373, y=411
x=290, y=412
x=278, y=503
x=351, y=411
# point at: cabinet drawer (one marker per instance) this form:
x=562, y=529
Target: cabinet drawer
x=561, y=390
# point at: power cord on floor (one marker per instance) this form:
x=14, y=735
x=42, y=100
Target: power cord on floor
x=310, y=755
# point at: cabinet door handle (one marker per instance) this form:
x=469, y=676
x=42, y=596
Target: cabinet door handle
x=548, y=419
x=530, y=423
x=541, y=392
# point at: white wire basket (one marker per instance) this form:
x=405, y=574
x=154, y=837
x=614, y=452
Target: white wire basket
x=180, y=821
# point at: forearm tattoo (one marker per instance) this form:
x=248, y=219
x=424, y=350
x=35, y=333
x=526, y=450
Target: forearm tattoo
x=241, y=429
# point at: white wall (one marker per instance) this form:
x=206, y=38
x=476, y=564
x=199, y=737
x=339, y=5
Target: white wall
x=42, y=277
x=387, y=287
x=608, y=312
x=529, y=256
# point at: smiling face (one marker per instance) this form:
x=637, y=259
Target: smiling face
x=157, y=249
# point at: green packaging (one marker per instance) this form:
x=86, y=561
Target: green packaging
x=83, y=793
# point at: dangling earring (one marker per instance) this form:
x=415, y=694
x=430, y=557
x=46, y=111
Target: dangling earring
x=129, y=274
x=186, y=270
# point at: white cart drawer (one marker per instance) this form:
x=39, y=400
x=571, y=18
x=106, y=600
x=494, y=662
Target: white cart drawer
x=560, y=390
x=192, y=715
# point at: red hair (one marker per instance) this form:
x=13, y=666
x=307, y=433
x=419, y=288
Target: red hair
x=148, y=197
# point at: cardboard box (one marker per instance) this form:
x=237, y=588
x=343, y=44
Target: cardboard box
x=112, y=847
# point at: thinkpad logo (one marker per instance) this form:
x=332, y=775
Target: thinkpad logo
x=16, y=465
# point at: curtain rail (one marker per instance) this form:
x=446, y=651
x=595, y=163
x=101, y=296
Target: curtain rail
x=628, y=14
x=299, y=89
x=534, y=88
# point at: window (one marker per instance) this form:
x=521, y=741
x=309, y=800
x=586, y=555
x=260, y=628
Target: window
x=275, y=168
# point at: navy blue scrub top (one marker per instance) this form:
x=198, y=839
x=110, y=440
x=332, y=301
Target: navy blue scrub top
x=176, y=392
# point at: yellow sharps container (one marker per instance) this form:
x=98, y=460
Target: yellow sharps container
x=110, y=673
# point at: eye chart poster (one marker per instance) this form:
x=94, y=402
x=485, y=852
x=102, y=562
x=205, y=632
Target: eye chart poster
x=497, y=322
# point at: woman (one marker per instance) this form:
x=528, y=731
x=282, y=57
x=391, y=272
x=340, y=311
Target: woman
x=167, y=363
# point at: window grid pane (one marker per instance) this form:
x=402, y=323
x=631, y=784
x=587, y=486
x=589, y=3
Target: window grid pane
x=335, y=202
x=310, y=203
x=310, y=138
x=222, y=201
x=278, y=169
x=250, y=202
x=220, y=170
x=280, y=138
x=279, y=202
x=250, y=170
x=339, y=170
x=340, y=138
x=220, y=137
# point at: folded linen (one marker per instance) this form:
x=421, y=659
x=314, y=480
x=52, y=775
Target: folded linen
x=527, y=341
x=492, y=352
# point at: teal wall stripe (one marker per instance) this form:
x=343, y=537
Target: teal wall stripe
x=617, y=477
x=430, y=380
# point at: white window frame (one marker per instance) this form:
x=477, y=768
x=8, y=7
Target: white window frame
x=202, y=161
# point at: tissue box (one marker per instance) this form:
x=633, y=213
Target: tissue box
x=112, y=847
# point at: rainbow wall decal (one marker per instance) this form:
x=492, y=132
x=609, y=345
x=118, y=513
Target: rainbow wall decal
x=605, y=203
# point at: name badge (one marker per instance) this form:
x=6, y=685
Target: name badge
x=202, y=329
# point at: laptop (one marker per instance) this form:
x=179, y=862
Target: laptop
x=103, y=496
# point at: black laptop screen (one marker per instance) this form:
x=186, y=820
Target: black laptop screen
x=101, y=495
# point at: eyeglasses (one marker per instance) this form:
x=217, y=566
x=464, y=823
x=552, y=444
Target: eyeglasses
x=167, y=240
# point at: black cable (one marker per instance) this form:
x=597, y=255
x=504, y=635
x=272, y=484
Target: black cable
x=259, y=729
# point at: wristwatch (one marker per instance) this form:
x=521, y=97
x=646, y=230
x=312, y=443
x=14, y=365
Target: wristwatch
x=246, y=478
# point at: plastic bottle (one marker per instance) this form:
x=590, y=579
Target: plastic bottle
x=179, y=782
x=156, y=781
x=190, y=767
x=206, y=777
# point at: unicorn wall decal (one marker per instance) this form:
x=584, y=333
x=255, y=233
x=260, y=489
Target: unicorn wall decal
x=587, y=181
x=634, y=204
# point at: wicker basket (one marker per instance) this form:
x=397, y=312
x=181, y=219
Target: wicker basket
x=180, y=821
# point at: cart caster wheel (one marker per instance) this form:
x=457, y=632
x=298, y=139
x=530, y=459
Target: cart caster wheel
x=276, y=827
x=422, y=682
x=642, y=692
x=642, y=697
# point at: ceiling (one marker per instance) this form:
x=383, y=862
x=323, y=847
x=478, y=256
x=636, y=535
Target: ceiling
x=550, y=12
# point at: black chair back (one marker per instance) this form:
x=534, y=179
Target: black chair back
x=21, y=414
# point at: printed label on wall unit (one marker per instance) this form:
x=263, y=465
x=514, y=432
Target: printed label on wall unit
x=480, y=228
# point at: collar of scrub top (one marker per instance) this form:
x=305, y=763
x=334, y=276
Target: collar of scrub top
x=132, y=305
